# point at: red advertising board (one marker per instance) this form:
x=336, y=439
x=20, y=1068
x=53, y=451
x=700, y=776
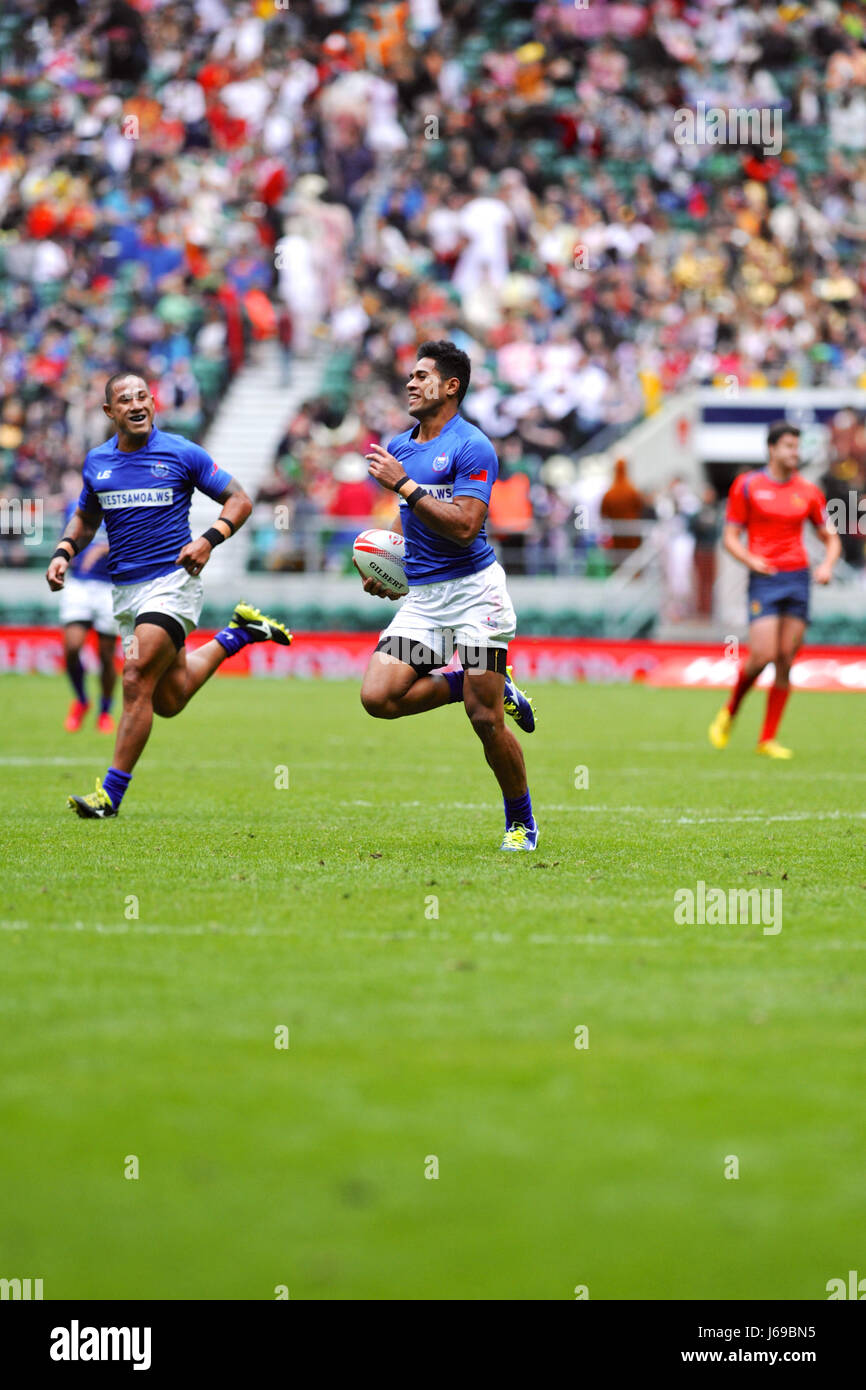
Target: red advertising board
x=343, y=656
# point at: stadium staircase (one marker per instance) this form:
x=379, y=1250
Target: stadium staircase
x=243, y=439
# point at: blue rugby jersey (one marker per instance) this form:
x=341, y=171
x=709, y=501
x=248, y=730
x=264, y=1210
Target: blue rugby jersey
x=98, y=571
x=459, y=462
x=145, y=499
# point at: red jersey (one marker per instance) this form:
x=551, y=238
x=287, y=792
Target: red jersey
x=774, y=514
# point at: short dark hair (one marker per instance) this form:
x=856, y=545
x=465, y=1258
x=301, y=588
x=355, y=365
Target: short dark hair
x=450, y=361
x=118, y=376
x=778, y=428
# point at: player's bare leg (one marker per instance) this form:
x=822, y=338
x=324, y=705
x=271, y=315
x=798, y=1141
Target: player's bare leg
x=763, y=648
x=74, y=637
x=482, y=697
x=152, y=654
x=790, y=638
x=187, y=674
x=392, y=689
x=160, y=679
x=189, y=671
x=483, y=693
x=791, y=634
x=108, y=680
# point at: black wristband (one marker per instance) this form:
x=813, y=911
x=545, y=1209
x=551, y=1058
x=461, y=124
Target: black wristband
x=415, y=497
x=400, y=481
x=67, y=540
x=228, y=523
x=214, y=536
x=63, y=555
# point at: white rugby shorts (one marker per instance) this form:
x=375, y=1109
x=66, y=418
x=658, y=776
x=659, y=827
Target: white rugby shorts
x=473, y=611
x=179, y=595
x=88, y=601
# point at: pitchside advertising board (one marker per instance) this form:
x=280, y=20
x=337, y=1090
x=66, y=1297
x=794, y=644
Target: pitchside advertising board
x=344, y=656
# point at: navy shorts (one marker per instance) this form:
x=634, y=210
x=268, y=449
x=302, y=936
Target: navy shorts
x=785, y=594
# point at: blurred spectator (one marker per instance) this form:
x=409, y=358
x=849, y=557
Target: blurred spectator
x=177, y=178
x=284, y=338
x=844, y=484
x=510, y=518
x=622, y=504
x=355, y=494
x=705, y=526
x=126, y=54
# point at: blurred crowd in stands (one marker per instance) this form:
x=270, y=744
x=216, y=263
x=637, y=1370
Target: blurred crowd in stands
x=182, y=179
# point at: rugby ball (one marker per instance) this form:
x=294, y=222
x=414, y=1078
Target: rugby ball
x=379, y=555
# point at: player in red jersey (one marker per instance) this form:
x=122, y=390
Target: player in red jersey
x=772, y=503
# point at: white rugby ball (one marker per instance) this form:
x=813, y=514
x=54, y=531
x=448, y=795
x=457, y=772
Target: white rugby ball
x=379, y=555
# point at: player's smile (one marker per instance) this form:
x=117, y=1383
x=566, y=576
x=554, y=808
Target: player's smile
x=135, y=418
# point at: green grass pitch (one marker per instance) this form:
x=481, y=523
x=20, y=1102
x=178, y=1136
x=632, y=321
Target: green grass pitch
x=413, y=1036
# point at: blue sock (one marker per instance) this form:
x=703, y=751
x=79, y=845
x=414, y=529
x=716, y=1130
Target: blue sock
x=518, y=810
x=455, y=685
x=116, y=783
x=75, y=671
x=232, y=638
x=105, y=704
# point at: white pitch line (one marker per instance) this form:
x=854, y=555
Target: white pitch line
x=736, y=774
x=94, y=760
x=47, y=762
x=677, y=937
x=488, y=805
x=144, y=929
x=695, y=816
x=769, y=819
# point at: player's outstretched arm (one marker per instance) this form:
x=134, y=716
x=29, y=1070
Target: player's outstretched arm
x=236, y=509
x=79, y=533
x=832, y=551
x=734, y=546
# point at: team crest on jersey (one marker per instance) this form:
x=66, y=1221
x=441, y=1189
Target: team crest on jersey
x=440, y=463
x=160, y=470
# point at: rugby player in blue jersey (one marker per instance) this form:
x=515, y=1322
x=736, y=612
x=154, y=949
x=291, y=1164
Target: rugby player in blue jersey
x=140, y=484
x=443, y=471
